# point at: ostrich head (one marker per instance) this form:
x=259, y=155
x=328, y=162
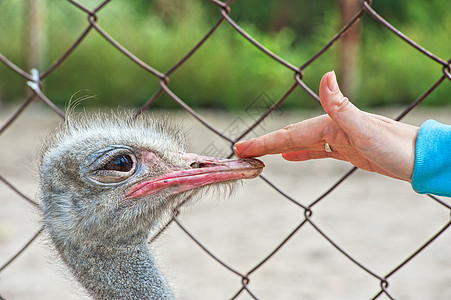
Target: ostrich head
x=109, y=180
x=106, y=182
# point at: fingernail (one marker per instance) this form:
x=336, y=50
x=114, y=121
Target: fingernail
x=332, y=84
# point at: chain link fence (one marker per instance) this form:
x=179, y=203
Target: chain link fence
x=306, y=208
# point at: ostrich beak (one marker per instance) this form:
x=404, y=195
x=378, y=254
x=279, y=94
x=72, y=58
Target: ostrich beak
x=197, y=171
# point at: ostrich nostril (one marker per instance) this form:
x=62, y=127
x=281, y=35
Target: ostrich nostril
x=195, y=165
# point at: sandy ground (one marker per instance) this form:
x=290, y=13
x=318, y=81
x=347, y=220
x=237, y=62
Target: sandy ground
x=377, y=220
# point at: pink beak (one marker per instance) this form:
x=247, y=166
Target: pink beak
x=198, y=171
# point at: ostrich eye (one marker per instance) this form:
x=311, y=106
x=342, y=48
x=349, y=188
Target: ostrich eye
x=121, y=163
x=109, y=166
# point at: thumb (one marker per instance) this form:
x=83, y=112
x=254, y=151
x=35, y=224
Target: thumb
x=338, y=107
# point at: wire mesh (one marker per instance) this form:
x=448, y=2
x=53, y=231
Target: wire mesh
x=306, y=208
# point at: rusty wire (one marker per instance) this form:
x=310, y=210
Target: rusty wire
x=34, y=83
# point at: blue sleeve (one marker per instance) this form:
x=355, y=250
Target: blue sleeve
x=432, y=170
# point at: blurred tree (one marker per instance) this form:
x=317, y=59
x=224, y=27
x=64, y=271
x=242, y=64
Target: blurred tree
x=349, y=47
x=227, y=71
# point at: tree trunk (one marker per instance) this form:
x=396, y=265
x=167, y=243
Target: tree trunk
x=349, y=48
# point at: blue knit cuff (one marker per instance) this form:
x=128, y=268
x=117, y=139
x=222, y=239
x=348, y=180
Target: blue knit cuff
x=432, y=171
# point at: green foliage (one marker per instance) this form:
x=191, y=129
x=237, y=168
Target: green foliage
x=396, y=73
x=227, y=72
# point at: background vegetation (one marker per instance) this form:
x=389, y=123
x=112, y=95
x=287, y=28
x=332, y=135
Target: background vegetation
x=227, y=72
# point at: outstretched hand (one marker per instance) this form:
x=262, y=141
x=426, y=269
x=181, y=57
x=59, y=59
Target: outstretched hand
x=370, y=142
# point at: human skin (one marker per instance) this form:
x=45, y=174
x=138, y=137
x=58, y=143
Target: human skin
x=368, y=141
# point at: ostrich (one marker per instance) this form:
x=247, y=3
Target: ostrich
x=106, y=183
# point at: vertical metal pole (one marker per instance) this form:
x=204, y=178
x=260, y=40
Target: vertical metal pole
x=35, y=34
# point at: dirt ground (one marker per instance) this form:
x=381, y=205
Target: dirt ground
x=378, y=221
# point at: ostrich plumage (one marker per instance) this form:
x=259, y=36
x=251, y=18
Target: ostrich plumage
x=107, y=182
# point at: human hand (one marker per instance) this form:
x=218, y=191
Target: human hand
x=368, y=141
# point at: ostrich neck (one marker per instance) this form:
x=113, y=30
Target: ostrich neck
x=129, y=272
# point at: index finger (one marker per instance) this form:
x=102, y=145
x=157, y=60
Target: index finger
x=294, y=136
